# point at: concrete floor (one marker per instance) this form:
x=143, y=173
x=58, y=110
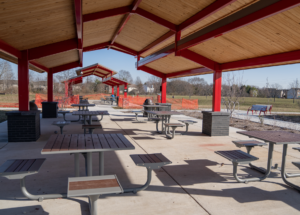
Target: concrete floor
x=195, y=183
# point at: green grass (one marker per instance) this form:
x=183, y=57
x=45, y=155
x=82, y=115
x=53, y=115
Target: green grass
x=284, y=105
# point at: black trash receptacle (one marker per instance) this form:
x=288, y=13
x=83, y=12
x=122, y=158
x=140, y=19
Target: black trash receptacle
x=147, y=102
x=117, y=100
x=49, y=109
x=168, y=108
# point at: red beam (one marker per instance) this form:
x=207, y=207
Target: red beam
x=105, y=69
x=249, y=15
x=50, y=86
x=37, y=65
x=52, y=49
x=155, y=43
x=189, y=72
x=79, y=28
x=122, y=51
x=152, y=72
x=96, y=47
x=156, y=19
x=120, y=28
x=192, y=56
x=23, y=81
x=65, y=67
x=209, y=10
x=106, y=13
x=125, y=49
x=9, y=49
x=259, y=61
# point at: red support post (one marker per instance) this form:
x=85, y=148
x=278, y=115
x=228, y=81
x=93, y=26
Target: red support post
x=125, y=88
x=112, y=90
x=50, y=86
x=163, y=90
x=177, y=38
x=118, y=90
x=217, y=90
x=23, y=81
x=66, y=89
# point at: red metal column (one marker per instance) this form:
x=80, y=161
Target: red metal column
x=163, y=90
x=23, y=81
x=66, y=89
x=125, y=88
x=112, y=90
x=118, y=90
x=216, y=100
x=50, y=86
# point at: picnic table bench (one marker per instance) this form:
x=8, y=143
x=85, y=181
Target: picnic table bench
x=173, y=126
x=260, y=108
x=187, y=123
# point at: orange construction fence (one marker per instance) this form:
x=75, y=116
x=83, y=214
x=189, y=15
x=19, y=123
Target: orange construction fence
x=62, y=101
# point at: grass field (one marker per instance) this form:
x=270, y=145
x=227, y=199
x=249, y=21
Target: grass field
x=280, y=105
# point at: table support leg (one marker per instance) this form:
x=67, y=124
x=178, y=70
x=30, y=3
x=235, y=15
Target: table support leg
x=61, y=129
x=84, y=123
x=283, y=174
x=162, y=123
x=101, y=163
x=137, y=189
x=90, y=122
x=270, y=158
x=89, y=158
x=259, y=169
x=76, y=164
x=93, y=204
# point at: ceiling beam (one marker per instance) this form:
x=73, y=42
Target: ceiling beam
x=156, y=19
x=96, y=47
x=106, y=13
x=79, y=28
x=153, y=72
x=51, y=49
x=253, y=13
x=65, y=67
x=126, y=18
x=39, y=66
x=192, y=56
x=197, y=71
x=125, y=48
x=264, y=60
x=9, y=49
x=122, y=51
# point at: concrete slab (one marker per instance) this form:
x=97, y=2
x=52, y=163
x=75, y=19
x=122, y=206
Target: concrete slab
x=197, y=182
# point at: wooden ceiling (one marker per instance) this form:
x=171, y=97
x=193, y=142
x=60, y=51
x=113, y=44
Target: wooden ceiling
x=56, y=33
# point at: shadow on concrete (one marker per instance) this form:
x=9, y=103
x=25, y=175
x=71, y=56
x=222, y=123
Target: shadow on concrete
x=123, y=120
x=143, y=138
x=34, y=209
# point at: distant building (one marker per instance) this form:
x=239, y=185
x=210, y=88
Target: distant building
x=131, y=88
x=148, y=89
x=291, y=93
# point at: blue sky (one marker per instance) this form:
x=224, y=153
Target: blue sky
x=117, y=61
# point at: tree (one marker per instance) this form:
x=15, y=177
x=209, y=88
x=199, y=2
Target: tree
x=139, y=85
x=232, y=91
x=198, y=84
x=274, y=90
x=6, y=75
x=125, y=76
x=294, y=87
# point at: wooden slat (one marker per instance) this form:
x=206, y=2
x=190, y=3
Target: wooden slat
x=21, y=165
x=154, y=158
x=96, y=141
x=136, y=159
x=103, y=141
x=14, y=166
x=50, y=143
x=58, y=142
x=36, y=165
x=145, y=159
x=162, y=157
x=89, y=141
x=110, y=141
x=124, y=140
x=81, y=141
x=66, y=142
x=74, y=142
x=27, y=165
x=118, y=141
x=95, y=184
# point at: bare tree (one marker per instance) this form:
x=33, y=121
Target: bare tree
x=125, y=75
x=294, y=87
x=207, y=89
x=274, y=90
x=199, y=84
x=154, y=82
x=232, y=91
x=7, y=76
x=139, y=85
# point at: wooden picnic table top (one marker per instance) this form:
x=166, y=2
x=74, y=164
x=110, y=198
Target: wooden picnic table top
x=276, y=137
x=82, y=105
x=164, y=113
x=80, y=143
x=90, y=113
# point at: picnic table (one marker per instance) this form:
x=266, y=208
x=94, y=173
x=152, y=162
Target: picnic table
x=152, y=108
x=276, y=138
x=80, y=144
x=260, y=108
x=83, y=106
x=165, y=117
